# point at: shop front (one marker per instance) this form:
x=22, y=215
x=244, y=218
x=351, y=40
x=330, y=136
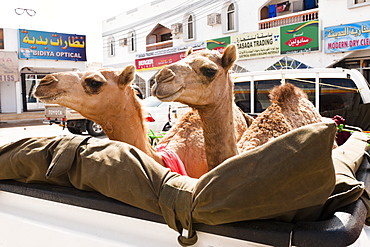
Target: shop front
x=42, y=53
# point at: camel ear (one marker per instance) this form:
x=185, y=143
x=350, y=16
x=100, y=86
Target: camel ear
x=229, y=57
x=189, y=51
x=127, y=75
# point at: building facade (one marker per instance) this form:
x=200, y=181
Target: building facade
x=26, y=56
x=270, y=34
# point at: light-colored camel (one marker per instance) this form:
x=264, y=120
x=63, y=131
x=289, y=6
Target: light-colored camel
x=202, y=81
x=106, y=97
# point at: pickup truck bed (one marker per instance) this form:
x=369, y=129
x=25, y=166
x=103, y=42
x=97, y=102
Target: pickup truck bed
x=49, y=215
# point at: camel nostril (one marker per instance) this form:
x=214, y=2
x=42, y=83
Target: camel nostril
x=165, y=75
x=48, y=80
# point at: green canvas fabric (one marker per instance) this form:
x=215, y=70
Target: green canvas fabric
x=347, y=159
x=289, y=178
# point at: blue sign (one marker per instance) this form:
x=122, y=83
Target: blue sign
x=349, y=37
x=55, y=46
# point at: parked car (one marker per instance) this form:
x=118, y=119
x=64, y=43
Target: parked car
x=161, y=116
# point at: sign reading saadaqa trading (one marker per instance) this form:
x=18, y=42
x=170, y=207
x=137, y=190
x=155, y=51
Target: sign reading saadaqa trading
x=55, y=46
x=258, y=44
x=349, y=37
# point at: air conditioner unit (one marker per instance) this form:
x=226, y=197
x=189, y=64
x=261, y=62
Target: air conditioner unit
x=213, y=19
x=176, y=28
x=123, y=42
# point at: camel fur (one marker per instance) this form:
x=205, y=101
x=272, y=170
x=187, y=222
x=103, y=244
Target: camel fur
x=289, y=109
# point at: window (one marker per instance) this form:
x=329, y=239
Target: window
x=131, y=41
x=190, y=25
x=111, y=47
x=336, y=93
x=310, y=4
x=166, y=36
x=231, y=17
x=357, y=3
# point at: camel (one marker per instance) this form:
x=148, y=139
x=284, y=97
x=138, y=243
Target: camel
x=202, y=81
x=107, y=97
x=289, y=109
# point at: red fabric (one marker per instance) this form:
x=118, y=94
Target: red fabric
x=171, y=160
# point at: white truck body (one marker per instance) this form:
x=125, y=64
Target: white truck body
x=47, y=215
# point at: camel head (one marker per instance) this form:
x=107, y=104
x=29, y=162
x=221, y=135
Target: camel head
x=90, y=93
x=200, y=79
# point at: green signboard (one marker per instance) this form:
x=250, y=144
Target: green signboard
x=298, y=38
x=218, y=44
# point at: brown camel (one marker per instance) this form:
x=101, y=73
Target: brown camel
x=290, y=109
x=201, y=80
x=106, y=97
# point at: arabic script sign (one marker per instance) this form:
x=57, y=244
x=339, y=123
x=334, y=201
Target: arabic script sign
x=258, y=44
x=8, y=66
x=151, y=60
x=298, y=38
x=55, y=46
x=349, y=37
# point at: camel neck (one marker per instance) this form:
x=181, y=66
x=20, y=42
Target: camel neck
x=127, y=125
x=219, y=131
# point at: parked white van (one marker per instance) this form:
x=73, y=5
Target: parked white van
x=334, y=91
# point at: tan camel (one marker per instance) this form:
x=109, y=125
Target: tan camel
x=202, y=81
x=106, y=97
x=100, y=96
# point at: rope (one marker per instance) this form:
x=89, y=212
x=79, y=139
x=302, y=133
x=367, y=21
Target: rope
x=325, y=84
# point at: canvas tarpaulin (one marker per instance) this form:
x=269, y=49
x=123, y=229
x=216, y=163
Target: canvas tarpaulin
x=288, y=179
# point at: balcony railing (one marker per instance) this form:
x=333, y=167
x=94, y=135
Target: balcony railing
x=308, y=15
x=159, y=45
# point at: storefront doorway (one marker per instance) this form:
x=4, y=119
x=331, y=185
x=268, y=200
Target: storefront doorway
x=29, y=84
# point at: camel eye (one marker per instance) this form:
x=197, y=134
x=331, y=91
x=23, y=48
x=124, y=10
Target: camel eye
x=92, y=86
x=94, y=83
x=207, y=71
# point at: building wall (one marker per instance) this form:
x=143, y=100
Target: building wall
x=167, y=12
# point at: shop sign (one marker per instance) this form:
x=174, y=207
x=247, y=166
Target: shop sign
x=298, y=38
x=1, y=38
x=258, y=44
x=348, y=37
x=148, y=61
x=171, y=50
x=218, y=44
x=8, y=66
x=48, y=45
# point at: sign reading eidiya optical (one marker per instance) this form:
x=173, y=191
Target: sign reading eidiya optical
x=48, y=45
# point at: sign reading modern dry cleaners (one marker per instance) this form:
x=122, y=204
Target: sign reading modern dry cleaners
x=349, y=37
x=55, y=46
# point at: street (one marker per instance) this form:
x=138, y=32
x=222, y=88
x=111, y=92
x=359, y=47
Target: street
x=10, y=133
